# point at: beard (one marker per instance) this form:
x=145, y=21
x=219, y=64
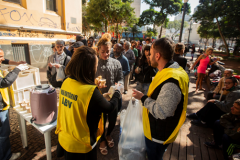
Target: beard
x=117, y=54
x=153, y=63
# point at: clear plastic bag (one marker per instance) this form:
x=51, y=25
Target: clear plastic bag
x=131, y=145
x=60, y=74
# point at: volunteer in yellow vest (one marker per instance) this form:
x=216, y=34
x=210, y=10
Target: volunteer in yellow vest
x=5, y=82
x=165, y=105
x=81, y=108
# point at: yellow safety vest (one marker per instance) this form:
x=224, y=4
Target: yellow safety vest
x=5, y=95
x=181, y=76
x=72, y=129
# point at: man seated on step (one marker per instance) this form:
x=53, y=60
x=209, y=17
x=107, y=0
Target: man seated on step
x=226, y=131
x=214, y=109
x=216, y=94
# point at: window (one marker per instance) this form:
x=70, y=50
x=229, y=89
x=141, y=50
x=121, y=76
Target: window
x=51, y=5
x=14, y=1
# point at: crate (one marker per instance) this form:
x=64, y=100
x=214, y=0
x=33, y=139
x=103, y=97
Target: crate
x=18, y=96
x=25, y=79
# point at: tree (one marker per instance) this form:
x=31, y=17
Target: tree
x=176, y=25
x=188, y=9
x=151, y=32
x=134, y=30
x=125, y=29
x=166, y=7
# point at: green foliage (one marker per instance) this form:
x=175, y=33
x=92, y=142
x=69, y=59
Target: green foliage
x=151, y=32
x=188, y=9
x=134, y=30
x=176, y=25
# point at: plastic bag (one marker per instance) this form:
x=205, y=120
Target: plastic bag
x=131, y=145
x=60, y=74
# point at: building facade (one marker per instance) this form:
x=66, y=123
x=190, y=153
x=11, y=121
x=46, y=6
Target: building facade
x=136, y=4
x=28, y=28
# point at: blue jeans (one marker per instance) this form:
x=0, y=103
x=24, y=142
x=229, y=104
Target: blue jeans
x=155, y=150
x=5, y=146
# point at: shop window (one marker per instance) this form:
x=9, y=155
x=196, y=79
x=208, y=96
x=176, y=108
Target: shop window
x=51, y=5
x=14, y=1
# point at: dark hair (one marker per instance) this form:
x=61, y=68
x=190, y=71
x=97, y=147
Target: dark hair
x=237, y=101
x=234, y=80
x=165, y=47
x=143, y=59
x=89, y=40
x=179, y=47
x=82, y=65
x=78, y=38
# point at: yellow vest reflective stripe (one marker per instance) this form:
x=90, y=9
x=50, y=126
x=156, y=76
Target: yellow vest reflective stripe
x=181, y=76
x=5, y=95
x=72, y=129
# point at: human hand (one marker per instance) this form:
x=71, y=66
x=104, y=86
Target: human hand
x=120, y=87
x=57, y=65
x=136, y=71
x=211, y=101
x=106, y=96
x=21, y=62
x=137, y=94
x=22, y=67
x=100, y=85
x=50, y=65
x=214, y=95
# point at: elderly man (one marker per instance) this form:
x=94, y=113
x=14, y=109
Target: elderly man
x=226, y=131
x=131, y=60
x=220, y=87
x=165, y=105
x=55, y=61
x=214, y=109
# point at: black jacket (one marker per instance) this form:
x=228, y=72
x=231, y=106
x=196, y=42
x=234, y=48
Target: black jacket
x=146, y=73
x=180, y=60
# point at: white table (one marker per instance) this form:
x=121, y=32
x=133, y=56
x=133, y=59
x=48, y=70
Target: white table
x=23, y=116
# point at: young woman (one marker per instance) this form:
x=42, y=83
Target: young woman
x=80, y=118
x=204, y=62
x=179, y=51
x=145, y=72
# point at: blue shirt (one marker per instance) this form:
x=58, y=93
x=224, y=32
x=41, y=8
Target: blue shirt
x=124, y=62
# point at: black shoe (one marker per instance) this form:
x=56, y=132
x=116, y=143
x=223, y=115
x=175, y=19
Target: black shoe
x=198, y=123
x=192, y=116
x=211, y=144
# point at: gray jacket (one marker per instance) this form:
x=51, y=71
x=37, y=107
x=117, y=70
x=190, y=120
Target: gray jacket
x=61, y=62
x=130, y=56
x=111, y=70
x=226, y=105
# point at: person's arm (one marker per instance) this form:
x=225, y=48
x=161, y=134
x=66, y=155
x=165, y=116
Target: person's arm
x=166, y=103
x=131, y=58
x=211, y=63
x=7, y=61
x=226, y=105
x=119, y=77
x=9, y=79
x=199, y=58
x=102, y=105
x=127, y=68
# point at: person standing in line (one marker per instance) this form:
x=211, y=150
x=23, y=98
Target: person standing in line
x=55, y=61
x=193, y=51
x=204, y=62
x=165, y=105
x=179, y=50
x=81, y=108
x=131, y=60
x=135, y=51
x=148, y=42
x=5, y=82
x=111, y=70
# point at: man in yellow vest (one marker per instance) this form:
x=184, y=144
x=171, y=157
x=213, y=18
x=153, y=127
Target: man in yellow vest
x=165, y=105
x=5, y=82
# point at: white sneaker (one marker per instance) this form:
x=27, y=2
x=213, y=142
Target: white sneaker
x=15, y=156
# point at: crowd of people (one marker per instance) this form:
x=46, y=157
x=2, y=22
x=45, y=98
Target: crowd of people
x=91, y=69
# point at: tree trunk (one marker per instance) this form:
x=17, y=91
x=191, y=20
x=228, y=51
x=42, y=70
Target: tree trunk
x=223, y=38
x=213, y=44
x=106, y=26
x=160, y=34
x=117, y=32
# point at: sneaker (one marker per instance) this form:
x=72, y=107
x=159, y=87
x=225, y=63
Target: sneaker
x=15, y=156
x=211, y=144
x=192, y=116
x=199, y=123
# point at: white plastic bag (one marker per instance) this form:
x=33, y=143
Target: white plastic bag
x=131, y=145
x=60, y=74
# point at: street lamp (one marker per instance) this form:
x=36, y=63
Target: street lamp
x=183, y=17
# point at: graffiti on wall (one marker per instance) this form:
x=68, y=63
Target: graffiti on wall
x=40, y=53
x=28, y=34
x=8, y=34
x=17, y=16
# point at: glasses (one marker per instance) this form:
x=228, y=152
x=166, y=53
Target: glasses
x=59, y=46
x=228, y=83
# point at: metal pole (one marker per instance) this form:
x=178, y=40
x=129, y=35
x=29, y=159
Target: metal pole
x=189, y=31
x=183, y=17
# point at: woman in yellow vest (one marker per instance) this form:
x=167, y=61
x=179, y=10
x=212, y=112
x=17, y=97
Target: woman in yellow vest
x=80, y=119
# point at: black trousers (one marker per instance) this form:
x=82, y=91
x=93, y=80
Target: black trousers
x=92, y=155
x=220, y=138
x=210, y=96
x=210, y=113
